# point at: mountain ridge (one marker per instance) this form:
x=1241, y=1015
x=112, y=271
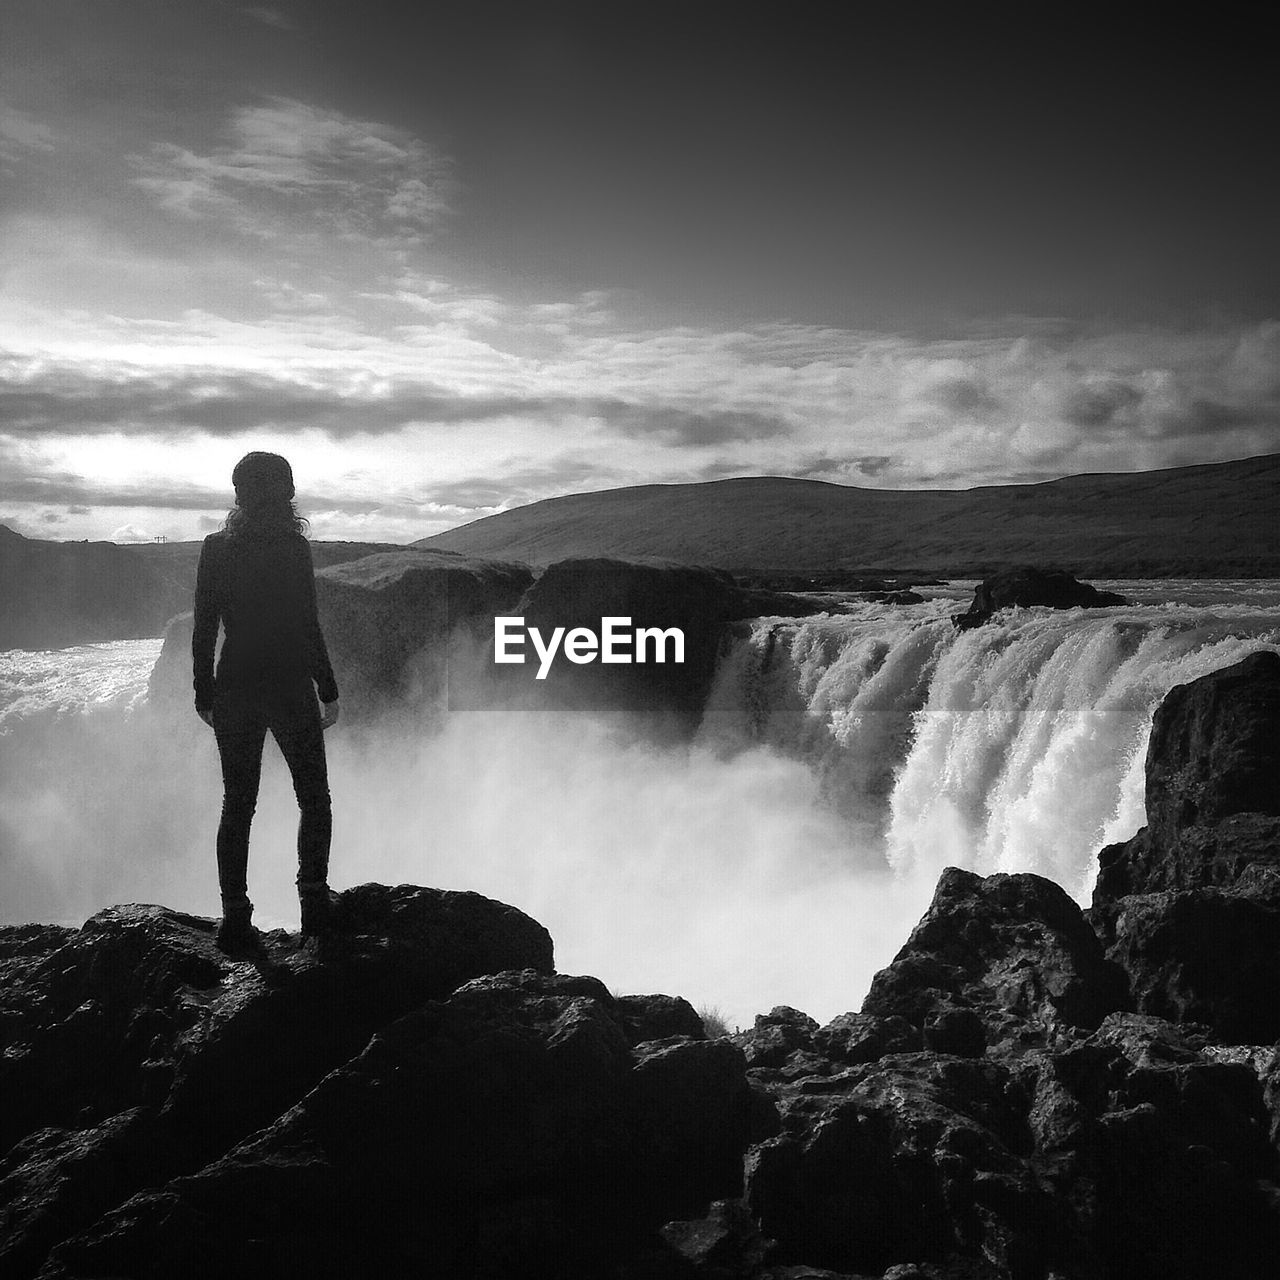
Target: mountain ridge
x=1211, y=519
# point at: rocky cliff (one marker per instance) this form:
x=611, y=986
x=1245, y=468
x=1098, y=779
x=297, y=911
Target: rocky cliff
x=1028, y=1092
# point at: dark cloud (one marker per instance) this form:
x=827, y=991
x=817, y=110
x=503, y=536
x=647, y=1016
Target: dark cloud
x=68, y=489
x=1099, y=405
x=686, y=428
x=1204, y=416
x=51, y=517
x=71, y=402
x=79, y=494
x=67, y=401
x=964, y=395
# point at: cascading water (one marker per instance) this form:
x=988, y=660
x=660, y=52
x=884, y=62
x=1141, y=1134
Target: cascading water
x=1015, y=746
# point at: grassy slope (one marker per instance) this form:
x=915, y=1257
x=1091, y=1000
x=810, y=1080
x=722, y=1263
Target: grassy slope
x=1221, y=519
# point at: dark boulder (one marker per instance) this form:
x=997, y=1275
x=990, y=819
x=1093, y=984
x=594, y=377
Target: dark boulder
x=854, y=1038
x=653, y=594
x=1190, y=906
x=727, y=1242
x=138, y=1015
x=1088, y=1158
x=1027, y=586
x=1205, y=955
x=895, y=1166
x=694, y=1115
x=1212, y=785
x=1014, y=950
x=659, y=1017
x=775, y=1036
x=950, y=1028
x=505, y=1130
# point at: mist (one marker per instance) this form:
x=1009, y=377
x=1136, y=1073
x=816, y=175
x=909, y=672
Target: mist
x=728, y=880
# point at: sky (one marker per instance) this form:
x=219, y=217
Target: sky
x=451, y=259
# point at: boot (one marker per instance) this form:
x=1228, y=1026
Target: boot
x=236, y=934
x=317, y=903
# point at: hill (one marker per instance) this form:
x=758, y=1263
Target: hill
x=1217, y=520
x=61, y=593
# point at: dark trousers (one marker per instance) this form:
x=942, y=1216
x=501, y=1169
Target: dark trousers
x=240, y=724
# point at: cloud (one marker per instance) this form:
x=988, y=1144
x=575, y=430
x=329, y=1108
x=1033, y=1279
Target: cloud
x=289, y=169
x=689, y=428
x=271, y=18
x=65, y=400
x=1100, y=403
x=22, y=133
x=71, y=490
x=130, y=533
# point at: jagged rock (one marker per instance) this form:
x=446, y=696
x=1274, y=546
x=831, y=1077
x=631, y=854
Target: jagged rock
x=698, y=601
x=1013, y=949
x=694, y=1120
x=775, y=1036
x=727, y=1242
x=950, y=1028
x=1205, y=955
x=1087, y=1160
x=659, y=1017
x=884, y=1171
x=55, y=1180
x=853, y=1038
x=1213, y=803
x=505, y=1130
x=138, y=1012
x=1027, y=586
x=1190, y=907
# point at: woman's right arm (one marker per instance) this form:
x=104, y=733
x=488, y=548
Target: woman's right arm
x=204, y=630
x=321, y=670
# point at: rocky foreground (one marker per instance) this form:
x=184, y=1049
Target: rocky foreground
x=1028, y=1091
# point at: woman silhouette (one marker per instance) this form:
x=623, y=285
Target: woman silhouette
x=257, y=579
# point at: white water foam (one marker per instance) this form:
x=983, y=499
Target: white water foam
x=1015, y=746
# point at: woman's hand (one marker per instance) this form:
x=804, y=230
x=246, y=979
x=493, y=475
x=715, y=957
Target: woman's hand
x=206, y=715
x=329, y=713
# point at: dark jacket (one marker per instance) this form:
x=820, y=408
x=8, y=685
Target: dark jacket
x=263, y=590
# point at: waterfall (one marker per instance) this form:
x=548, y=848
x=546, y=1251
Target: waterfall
x=780, y=858
x=1016, y=746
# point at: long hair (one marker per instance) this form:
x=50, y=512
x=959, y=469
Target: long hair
x=264, y=498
